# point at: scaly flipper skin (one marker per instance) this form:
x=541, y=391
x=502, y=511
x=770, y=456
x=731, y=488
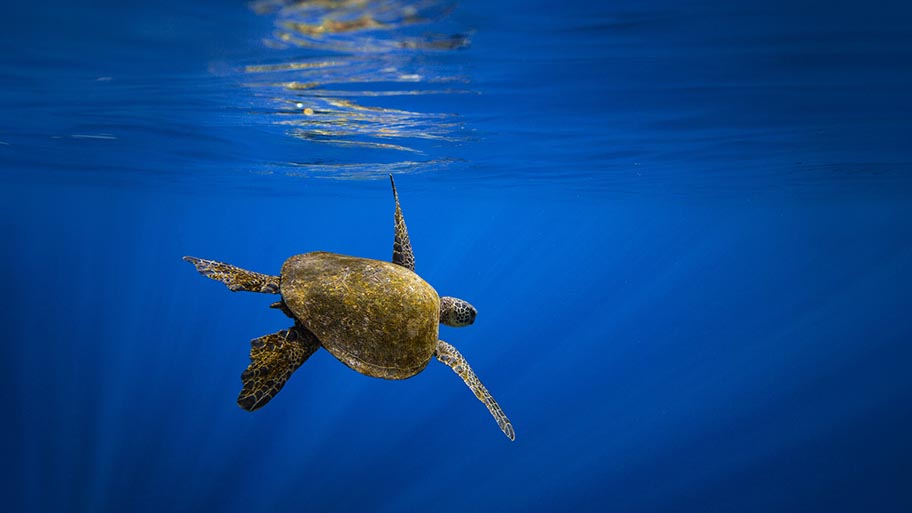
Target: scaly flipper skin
x=235, y=278
x=450, y=356
x=402, y=248
x=273, y=358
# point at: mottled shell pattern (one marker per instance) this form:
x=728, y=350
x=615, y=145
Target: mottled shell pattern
x=376, y=317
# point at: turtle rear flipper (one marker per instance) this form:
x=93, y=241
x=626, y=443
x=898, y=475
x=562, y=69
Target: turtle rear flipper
x=454, y=359
x=402, y=248
x=273, y=358
x=235, y=278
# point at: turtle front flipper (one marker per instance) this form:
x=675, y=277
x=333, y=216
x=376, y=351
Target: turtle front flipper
x=235, y=278
x=402, y=248
x=454, y=359
x=273, y=358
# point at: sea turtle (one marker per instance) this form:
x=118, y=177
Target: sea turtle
x=379, y=318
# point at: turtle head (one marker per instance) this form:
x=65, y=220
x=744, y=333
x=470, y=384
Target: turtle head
x=456, y=312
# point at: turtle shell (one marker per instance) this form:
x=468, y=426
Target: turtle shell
x=378, y=318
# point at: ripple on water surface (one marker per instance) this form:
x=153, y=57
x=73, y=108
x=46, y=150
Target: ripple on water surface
x=354, y=66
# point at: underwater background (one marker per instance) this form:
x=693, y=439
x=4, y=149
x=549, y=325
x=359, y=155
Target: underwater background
x=687, y=229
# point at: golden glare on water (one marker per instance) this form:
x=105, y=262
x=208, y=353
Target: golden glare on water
x=344, y=99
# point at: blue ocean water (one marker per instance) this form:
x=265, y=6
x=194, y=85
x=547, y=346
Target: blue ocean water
x=687, y=229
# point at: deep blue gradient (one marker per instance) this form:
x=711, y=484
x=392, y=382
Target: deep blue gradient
x=687, y=230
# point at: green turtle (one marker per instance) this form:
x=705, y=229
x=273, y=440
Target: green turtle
x=379, y=318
